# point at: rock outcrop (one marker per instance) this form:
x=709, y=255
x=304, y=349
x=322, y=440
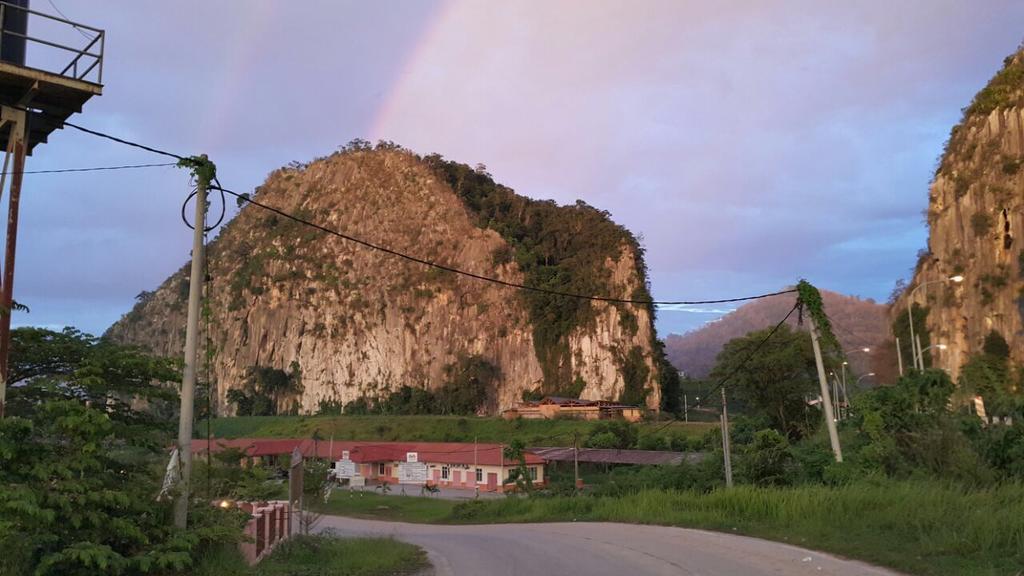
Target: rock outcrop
x=976, y=228
x=361, y=323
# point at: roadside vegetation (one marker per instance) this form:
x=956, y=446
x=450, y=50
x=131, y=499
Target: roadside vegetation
x=322, y=556
x=675, y=435
x=83, y=451
x=925, y=487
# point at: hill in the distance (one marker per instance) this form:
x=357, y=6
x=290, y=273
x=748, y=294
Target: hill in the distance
x=858, y=324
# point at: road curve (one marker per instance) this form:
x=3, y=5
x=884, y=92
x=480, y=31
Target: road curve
x=600, y=549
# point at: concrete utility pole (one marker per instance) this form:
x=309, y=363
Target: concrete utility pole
x=686, y=409
x=188, y=383
x=920, y=354
x=476, y=481
x=826, y=402
x=913, y=347
x=576, y=460
x=899, y=355
x=726, y=450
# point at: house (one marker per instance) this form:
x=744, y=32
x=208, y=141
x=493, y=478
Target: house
x=551, y=407
x=445, y=464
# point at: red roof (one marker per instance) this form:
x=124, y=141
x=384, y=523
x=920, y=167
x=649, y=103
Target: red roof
x=369, y=451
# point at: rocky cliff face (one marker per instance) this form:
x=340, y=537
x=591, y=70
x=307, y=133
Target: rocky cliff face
x=361, y=323
x=976, y=223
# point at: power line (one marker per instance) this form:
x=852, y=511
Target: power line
x=92, y=169
x=78, y=29
x=248, y=199
x=724, y=379
x=424, y=262
x=122, y=140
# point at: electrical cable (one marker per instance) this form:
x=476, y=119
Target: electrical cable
x=724, y=379
x=73, y=25
x=91, y=169
x=248, y=199
x=119, y=140
x=223, y=208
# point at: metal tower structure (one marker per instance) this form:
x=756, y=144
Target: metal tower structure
x=39, y=91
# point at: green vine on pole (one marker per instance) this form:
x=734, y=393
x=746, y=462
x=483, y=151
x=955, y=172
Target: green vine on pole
x=809, y=300
x=201, y=168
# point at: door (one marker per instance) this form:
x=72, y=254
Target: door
x=457, y=477
x=492, y=481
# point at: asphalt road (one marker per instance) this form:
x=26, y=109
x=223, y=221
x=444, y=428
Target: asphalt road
x=600, y=549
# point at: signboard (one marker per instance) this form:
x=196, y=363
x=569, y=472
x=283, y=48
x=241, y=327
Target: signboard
x=344, y=468
x=344, y=455
x=412, y=473
x=412, y=457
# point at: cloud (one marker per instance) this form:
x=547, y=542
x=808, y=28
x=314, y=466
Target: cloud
x=750, y=143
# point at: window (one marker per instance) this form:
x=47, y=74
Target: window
x=380, y=469
x=533, y=473
x=479, y=475
x=444, y=472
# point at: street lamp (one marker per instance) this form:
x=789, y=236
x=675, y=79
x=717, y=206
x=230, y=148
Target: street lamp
x=917, y=353
x=863, y=377
x=865, y=350
x=936, y=346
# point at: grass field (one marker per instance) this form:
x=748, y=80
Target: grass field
x=322, y=556
x=919, y=527
x=395, y=508
x=426, y=428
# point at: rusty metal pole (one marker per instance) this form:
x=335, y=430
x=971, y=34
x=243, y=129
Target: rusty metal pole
x=18, y=128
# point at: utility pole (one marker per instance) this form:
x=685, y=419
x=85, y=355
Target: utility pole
x=476, y=482
x=726, y=450
x=16, y=144
x=899, y=355
x=920, y=354
x=913, y=347
x=188, y=383
x=826, y=402
x=686, y=409
x=576, y=459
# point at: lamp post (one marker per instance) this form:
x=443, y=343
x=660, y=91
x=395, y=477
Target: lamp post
x=916, y=353
x=863, y=377
x=936, y=346
x=846, y=398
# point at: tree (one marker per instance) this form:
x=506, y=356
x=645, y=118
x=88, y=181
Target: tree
x=78, y=464
x=264, y=389
x=468, y=382
x=767, y=460
x=773, y=382
x=520, y=475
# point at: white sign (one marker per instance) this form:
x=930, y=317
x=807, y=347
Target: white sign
x=412, y=457
x=412, y=473
x=344, y=455
x=345, y=468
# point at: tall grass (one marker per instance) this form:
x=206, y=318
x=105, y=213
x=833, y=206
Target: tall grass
x=924, y=527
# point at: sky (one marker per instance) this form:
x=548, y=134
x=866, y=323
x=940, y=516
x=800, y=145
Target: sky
x=748, y=143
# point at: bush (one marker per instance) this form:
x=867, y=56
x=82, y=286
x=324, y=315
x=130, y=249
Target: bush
x=767, y=461
x=981, y=223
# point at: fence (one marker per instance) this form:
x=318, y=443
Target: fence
x=268, y=526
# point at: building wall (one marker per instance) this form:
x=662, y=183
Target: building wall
x=466, y=476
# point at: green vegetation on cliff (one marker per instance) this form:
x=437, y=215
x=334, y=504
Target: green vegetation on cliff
x=560, y=248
